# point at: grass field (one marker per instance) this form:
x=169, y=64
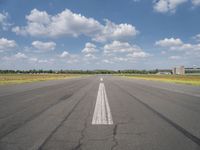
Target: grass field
x=182, y=79
x=26, y=78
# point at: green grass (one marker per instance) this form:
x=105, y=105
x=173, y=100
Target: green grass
x=182, y=79
x=27, y=78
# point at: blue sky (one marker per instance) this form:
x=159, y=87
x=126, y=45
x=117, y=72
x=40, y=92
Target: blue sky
x=93, y=34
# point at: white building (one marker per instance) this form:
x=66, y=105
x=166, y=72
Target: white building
x=179, y=70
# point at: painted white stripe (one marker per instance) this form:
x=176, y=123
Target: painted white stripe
x=102, y=114
x=101, y=79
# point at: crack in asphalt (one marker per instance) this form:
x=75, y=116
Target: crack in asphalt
x=83, y=131
x=114, y=137
x=115, y=128
x=54, y=131
x=82, y=134
x=104, y=139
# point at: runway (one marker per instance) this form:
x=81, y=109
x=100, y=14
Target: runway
x=100, y=113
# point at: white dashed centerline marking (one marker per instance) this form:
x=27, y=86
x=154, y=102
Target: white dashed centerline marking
x=102, y=114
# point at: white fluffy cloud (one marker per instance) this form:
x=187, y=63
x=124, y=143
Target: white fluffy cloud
x=164, y=6
x=169, y=42
x=177, y=45
x=120, y=47
x=89, y=51
x=7, y=44
x=67, y=23
x=44, y=46
x=39, y=17
x=40, y=23
x=64, y=54
x=69, y=58
x=89, y=48
x=20, y=56
x=123, y=52
x=112, y=31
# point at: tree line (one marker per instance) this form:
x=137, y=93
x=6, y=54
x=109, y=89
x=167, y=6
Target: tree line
x=40, y=71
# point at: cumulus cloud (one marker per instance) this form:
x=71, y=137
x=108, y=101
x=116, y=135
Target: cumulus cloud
x=168, y=42
x=7, y=44
x=39, y=17
x=4, y=24
x=112, y=31
x=40, y=23
x=177, y=45
x=89, y=48
x=67, y=23
x=89, y=51
x=124, y=52
x=164, y=6
x=120, y=47
x=64, y=54
x=69, y=58
x=44, y=46
x=20, y=55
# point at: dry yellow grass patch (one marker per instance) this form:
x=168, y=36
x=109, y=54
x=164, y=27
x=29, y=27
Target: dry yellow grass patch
x=183, y=79
x=25, y=78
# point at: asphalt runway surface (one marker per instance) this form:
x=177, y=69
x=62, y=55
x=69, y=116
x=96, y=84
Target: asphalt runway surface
x=99, y=113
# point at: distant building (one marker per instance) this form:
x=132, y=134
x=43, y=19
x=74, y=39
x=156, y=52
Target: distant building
x=194, y=70
x=178, y=70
